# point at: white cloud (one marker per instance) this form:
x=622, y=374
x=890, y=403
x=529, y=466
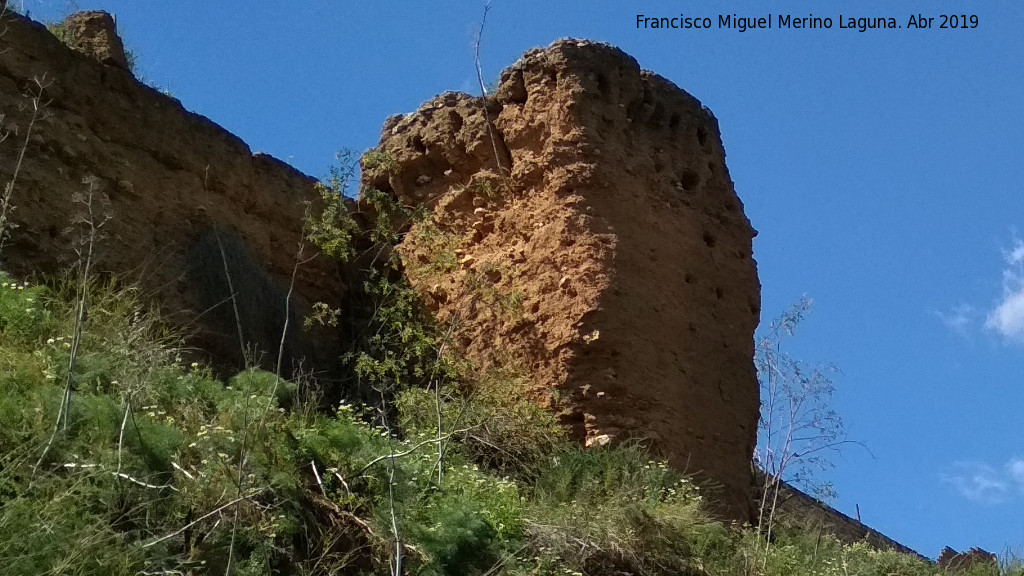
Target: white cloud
x=1016, y=256
x=958, y=318
x=1008, y=316
x=1015, y=468
x=980, y=482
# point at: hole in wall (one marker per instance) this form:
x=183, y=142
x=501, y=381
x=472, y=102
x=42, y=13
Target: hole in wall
x=648, y=96
x=418, y=145
x=689, y=180
x=658, y=116
x=457, y=121
x=709, y=239
x=514, y=87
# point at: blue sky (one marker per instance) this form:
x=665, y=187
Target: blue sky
x=883, y=170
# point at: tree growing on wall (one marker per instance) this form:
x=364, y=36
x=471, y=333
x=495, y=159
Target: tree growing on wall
x=798, y=429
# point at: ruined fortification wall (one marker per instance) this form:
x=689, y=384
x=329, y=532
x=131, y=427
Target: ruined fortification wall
x=175, y=182
x=584, y=226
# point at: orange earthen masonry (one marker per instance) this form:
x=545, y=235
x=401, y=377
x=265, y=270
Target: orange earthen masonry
x=598, y=243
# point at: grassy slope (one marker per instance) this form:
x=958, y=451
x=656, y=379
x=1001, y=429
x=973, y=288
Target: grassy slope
x=162, y=468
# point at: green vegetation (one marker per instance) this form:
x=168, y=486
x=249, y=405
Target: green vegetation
x=144, y=477
x=118, y=456
x=440, y=248
x=505, y=304
x=380, y=160
x=486, y=188
x=61, y=31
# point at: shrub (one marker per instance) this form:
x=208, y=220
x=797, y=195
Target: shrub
x=613, y=508
x=379, y=160
x=503, y=428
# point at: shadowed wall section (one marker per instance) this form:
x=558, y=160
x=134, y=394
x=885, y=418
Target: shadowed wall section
x=171, y=178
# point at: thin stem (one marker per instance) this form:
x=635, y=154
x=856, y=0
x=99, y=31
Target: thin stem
x=5, y=202
x=491, y=132
x=201, y=518
x=392, y=455
x=80, y=319
x=396, y=563
x=120, y=435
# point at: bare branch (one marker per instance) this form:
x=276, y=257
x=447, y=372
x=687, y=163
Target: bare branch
x=415, y=447
x=203, y=517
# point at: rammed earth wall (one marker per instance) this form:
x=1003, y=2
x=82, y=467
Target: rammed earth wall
x=595, y=241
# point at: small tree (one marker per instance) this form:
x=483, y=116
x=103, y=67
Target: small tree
x=798, y=430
